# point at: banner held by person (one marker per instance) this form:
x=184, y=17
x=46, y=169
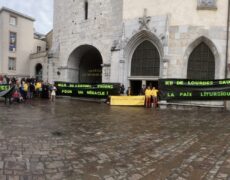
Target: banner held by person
x=127, y=100
x=185, y=89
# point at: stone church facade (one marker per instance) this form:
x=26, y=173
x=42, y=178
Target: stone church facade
x=138, y=42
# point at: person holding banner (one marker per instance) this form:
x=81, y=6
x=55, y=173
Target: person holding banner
x=148, y=97
x=154, y=93
x=122, y=89
x=142, y=91
x=129, y=92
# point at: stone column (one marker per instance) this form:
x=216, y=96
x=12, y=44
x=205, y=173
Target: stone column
x=163, y=103
x=52, y=68
x=122, y=71
x=49, y=68
x=227, y=103
x=165, y=68
x=106, y=72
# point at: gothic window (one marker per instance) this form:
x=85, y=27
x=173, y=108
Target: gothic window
x=86, y=9
x=201, y=63
x=206, y=4
x=145, y=60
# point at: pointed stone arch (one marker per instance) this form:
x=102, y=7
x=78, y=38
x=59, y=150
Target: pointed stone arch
x=192, y=46
x=140, y=37
x=145, y=60
x=135, y=41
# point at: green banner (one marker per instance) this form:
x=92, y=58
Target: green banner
x=4, y=87
x=87, y=90
x=184, y=89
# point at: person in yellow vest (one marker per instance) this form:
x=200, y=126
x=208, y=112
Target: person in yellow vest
x=38, y=88
x=154, y=93
x=25, y=87
x=148, y=97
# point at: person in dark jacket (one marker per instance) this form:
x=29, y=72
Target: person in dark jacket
x=129, y=92
x=31, y=90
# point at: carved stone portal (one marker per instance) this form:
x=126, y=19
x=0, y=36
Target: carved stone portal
x=206, y=4
x=144, y=21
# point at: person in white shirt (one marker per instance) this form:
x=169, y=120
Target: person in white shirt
x=53, y=93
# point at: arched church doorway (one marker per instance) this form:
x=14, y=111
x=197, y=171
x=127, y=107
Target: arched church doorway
x=38, y=71
x=201, y=63
x=84, y=65
x=145, y=66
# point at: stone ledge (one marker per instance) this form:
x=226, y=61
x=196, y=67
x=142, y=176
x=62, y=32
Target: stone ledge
x=206, y=5
x=187, y=106
x=95, y=100
x=212, y=8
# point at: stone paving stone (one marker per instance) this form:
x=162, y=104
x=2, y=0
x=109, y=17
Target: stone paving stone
x=56, y=176
x=135, y=177
x=25, y=178
x=34, y=166
x=109, y=178
x=13, y=178
x=15, y=165
x=8, y=172
x=50, y=171
x=38, y=177
x=10, y=158
x=2, y=177
x=55, y=164
x=1, y=164
x=19, y=172
x=222, y=175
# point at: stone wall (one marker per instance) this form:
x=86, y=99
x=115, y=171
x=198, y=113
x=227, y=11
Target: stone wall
x=116, y=28
x=182, y=12
x=183, y=39
x=24, y=43
x=39, y=58
x=71, y=30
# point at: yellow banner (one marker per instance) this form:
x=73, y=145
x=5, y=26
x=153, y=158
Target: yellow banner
x=127, y=100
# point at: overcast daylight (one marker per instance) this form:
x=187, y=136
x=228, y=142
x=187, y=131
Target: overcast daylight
x=115, y=90
x=41, y=11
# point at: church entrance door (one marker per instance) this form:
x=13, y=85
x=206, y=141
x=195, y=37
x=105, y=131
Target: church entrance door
x=152, y=84
x=90, y=70
x=84, y=65
x=136, y=87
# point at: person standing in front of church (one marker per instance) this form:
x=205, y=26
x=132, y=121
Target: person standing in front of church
x=53, y=93
x=129, y=92
x=148, y=97
x=154, y=94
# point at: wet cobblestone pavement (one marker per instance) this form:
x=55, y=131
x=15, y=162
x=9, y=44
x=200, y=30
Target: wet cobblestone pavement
x=71, y=140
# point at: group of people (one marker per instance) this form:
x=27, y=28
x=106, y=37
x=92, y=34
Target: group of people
x=151, y=97
x=7, y=80
x=150, y=93
x=28, y=88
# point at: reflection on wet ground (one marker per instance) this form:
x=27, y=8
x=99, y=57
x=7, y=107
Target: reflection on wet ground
x=73, y=140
